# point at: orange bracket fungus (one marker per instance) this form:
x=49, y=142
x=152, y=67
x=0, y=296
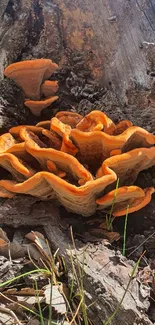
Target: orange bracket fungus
x=31, y=76
x=73, y=159
x=72, y=177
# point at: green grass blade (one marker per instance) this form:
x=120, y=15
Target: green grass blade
x=109, y=218
x=125, y=229
x=23, y=275
x=50, y=304
x=39, y=306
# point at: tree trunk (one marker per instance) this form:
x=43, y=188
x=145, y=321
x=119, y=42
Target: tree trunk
x=105, y=50
x=111, y=42
x=106, y=54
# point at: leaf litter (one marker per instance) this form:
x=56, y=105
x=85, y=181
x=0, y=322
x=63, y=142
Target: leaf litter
x=31, y=253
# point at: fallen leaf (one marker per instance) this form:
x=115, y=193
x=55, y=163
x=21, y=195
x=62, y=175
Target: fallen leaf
x=31, y=300
x=32, y=251
x=39, y=240
x=58, y=301
x=14, y=250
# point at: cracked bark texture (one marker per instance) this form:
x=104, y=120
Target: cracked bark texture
x=105, y=50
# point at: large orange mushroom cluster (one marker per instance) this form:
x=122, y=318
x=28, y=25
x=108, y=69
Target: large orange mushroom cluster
x=77, y=160
x=31, y=76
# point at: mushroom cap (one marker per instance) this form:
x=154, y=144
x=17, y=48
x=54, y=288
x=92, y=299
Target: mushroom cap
x=49, y=88
x=69, y=163
x=70, y=118
x=16, y=130
x=6, y=142
x=96, y=121
x=30, y=74
x=45, y=184
x=128, y=165
x=126, y=199
x=68, y=146
x=44, y=124
x=59, y=127
x=122, y=126
x=95, y=146
x=36, y=106
x=63, y=130
x=19, y=169
x=135, y=204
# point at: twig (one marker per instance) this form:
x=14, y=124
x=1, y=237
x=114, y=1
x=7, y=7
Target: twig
x=8, y=311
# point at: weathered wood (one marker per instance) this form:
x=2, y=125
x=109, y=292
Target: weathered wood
x=106, y=272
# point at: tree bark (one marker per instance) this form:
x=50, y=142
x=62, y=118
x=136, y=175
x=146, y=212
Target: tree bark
x=105, y=51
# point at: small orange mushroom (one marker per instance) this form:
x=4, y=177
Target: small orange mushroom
x=120, y=194
x=49, y=88
x=36, y=106
x=30, y=74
